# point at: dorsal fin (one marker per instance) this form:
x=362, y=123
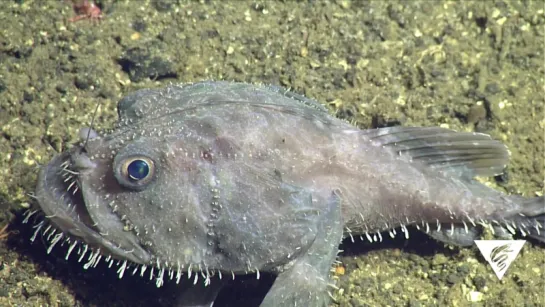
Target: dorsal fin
x=462, y=153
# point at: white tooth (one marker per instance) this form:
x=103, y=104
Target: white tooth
x=196, y=279
x=70, y=186
x=54, y=241
x=143, y=270
x=83, y=253
x=121, y=269
x=51, y=233
x=97, y=260
x=159, y=281
x=70, y=249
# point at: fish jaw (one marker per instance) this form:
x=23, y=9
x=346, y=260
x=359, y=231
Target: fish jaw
x=65, y=207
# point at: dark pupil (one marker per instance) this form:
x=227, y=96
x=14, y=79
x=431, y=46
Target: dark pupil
x=138, y=170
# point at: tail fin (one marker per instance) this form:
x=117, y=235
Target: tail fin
x=531, y=220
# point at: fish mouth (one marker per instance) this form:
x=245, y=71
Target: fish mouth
x=65, y=202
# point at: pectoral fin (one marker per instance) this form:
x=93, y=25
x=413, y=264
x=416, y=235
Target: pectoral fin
x=305, y=282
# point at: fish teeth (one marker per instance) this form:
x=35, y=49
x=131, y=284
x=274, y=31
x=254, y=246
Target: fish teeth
x=159, y=280
x=405, y=230
x=70, y=249
x=55, y=240
x=85, y=247
x=143, y=270
x=121, y=269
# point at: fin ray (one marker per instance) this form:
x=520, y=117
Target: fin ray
x=461, y=153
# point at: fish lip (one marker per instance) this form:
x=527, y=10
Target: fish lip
x=62, y=212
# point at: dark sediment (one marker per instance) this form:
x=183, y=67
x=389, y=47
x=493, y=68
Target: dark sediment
x=472, y=66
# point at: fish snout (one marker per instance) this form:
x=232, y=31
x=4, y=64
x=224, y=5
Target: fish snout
x=81, y=162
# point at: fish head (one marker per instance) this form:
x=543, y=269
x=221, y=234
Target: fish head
x=137, y=192
x=178, y=183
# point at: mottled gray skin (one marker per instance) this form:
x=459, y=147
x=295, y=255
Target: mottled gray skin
x=247, y=178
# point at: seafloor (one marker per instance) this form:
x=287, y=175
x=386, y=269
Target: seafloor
x=471, y=66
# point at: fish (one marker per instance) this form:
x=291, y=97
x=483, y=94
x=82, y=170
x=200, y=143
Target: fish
x=216, y=179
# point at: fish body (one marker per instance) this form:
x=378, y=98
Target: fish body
x=232, y=178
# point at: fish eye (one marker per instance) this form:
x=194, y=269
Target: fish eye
x=137, y=171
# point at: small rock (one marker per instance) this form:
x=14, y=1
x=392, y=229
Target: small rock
x=476, y=113
x=3, y=86
x=162, y=5
x=492, y=88
x=439, y=259
x=140, y=64
x=474, y=296
x=83, y=82
x=452, y=279
x=397, y=289
x=61, y=88
x=479, y=282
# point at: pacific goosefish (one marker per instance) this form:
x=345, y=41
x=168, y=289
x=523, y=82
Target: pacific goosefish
x=226, y=179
